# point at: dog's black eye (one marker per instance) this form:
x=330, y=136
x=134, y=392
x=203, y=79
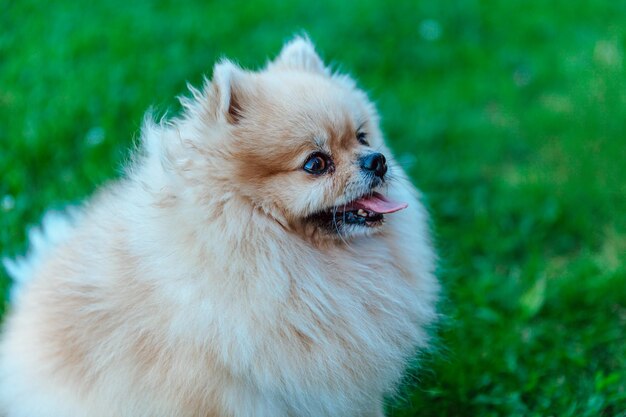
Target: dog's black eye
x=362, y=138
x=318, y=163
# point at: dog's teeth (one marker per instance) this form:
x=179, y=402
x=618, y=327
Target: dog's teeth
x=362, y=213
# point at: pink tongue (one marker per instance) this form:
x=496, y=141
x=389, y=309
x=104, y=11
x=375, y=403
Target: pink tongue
x=377, y=203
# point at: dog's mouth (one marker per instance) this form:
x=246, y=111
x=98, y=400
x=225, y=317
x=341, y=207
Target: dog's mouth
x=368, y=210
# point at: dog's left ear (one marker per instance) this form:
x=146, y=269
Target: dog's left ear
x=299, y=54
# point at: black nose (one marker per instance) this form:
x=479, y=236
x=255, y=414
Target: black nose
x=375, y=163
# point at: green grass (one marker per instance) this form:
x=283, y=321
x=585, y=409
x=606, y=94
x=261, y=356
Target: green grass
x=509, y=115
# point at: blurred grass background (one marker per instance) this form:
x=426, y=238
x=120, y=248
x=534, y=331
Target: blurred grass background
x=509, y=115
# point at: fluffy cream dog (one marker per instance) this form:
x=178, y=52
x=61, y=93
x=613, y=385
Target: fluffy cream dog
x=259, y=259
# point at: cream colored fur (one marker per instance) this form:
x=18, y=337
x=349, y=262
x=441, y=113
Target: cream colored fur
x=195, y=288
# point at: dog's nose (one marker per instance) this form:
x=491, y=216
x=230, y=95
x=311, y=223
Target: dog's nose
x=375, y=163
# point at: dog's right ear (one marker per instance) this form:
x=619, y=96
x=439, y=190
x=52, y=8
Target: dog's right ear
x=229, y=91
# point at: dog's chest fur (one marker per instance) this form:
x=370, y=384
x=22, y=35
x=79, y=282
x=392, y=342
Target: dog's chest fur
x=295, y=331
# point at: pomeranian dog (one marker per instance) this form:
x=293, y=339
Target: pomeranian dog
x=263, y=256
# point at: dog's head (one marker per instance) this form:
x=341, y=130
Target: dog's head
x=299, y=143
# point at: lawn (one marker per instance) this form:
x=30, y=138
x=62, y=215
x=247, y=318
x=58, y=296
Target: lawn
x=509, y=115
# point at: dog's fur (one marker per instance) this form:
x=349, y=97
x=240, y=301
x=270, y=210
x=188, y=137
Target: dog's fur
x=198, y=286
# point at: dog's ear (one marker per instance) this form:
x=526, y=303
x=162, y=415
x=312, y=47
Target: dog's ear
x=229, y=91
x=299, y=54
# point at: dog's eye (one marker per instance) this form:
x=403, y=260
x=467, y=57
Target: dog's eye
x=318, y=163
x=362, y=138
